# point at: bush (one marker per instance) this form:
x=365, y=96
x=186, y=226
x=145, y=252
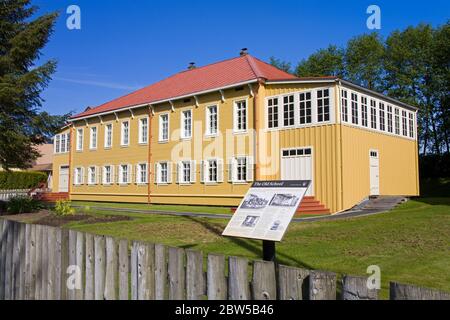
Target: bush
x=434, y=166
x=63, y=208
x=23, y=204
x=21, y=179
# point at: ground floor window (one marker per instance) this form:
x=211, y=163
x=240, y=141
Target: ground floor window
x=141, y=173
x=240, y=169
x=92, y=175
x=78, y=176
x=124, y=173
x=186, y=172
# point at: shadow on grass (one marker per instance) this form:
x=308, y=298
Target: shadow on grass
x=249, y=245
x=434, y=201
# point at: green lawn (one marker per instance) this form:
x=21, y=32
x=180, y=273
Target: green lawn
x=411, y=244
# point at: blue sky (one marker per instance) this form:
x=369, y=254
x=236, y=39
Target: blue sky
x=125, y=45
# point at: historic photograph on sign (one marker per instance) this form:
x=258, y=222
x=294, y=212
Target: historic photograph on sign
x=250, y=221
x=254, y=201
x=284, y=200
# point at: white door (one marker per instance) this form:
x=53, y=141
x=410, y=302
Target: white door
x=63, y=179
x=297, y=164
x=374, y=167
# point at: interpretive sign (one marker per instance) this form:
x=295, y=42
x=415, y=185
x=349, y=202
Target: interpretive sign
x=267, y=209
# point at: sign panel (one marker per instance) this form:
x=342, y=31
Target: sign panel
x=267, y=209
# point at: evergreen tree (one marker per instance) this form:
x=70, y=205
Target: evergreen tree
x=325, y=62
x=22, y=126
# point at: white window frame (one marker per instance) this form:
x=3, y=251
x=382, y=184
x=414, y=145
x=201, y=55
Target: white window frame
x=141, y=131
x=181, y=173
x=270, y=108
x=80, y=139
x=293, y=95
x=236, y=130
x=183, y=132
x=208, y=132
x=124, y=143
x=161, y=129
x=158, y=170
x=311, y=101
x=373, y=114
x=111, y=168
x=330, y=108
x=92, y=141
x=344, y=105
x=120, y=173
x=364, y=111
x=57, y=144
x=106, y=146
x=78, y=176
x=90, y=181
x=139, y=173
x=205, y=168
x=233, y=169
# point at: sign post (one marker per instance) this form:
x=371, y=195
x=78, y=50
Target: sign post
x=266, y=211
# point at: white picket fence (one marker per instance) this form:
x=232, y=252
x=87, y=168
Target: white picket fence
x=5, y=195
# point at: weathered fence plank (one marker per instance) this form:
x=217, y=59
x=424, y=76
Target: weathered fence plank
x=293, y=283
x=72, y=262
x=9, y=260
x=33, y=267
x=90, y=262
x=38, y=263
x=264, y=285
x=27, y=270
x=22, y=265
x=146, y=271
x=62, y=263
x=216, y=280
x=124, y=269
x=195, y=278
x=355, y=288
x=322, y=285
x=51, y=270
x=134, y=270
x=3, y=238
x=111, y=269
x=99, y=267
x=15, y=276
x=161, y=284
x=238, y=286
x=45, y=265
x=176, y=274
x=79, y=260
x=398, y=291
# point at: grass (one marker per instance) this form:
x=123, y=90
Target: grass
x=410, y=244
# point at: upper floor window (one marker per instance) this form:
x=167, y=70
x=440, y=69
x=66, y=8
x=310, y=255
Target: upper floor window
x=211, y=120
x=108, y=135
x=382, y=117
x=108, y=172
x=80, y=139
x=344, y=105
x=411, y=125
x=186, y=124
x=404, y=124
x=354, y=108
x=323, y=105
x=125, y=134
x=272, y=113
x=143, y=130
x=305, y=108
x=164, y=127
x=141, y=173
x=93, y=138
x=124, y=173
x=57, y=143
x=288, y=111
x=373, y=114
x=389, y=119
x=364, y=112
x=397, y=121
x=240, y=116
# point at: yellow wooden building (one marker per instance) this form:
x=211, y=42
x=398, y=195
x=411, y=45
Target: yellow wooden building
x=203, y=135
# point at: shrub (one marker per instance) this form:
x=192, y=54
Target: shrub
x=21, y=179
x=63, y=208
x=23, y=204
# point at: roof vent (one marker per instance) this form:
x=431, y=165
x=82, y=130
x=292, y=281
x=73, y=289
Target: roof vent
x=191, y=66
x=244, y=52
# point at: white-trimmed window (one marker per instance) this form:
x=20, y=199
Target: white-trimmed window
x=57, y=143
x=373, y=114
x=124, y=173
x=108, y=135
x=389, y=119
x=212, y=171
x=143, y=130
x=354, y=102
x=344, y=105
x=125, y=133
x=240, y=116
x=404, y=124
x=323, y=105
x=78, y=176
x=163, y=172
x=212, y=120
x=272, y=113
x=240, y=169
x=382, y=117
x=411, y=125
x=186, y=172
x=64, y=145
x=305, y=108
x=92, y=175
x=288, y=111
x=364, y=111
x=397, y=121
x=93, y=138
x=108, y=174
x=164, y=127
x=80, y=139
x=141, y=173
x=186, y=124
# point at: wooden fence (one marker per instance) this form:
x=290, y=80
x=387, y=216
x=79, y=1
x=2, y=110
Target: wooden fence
x=42, y=262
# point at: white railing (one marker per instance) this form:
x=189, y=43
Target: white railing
x=5, y=195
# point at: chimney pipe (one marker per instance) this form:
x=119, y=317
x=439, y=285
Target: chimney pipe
x=244, y=52
x=191, y=66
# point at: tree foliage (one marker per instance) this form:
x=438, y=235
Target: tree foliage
x=22, y=125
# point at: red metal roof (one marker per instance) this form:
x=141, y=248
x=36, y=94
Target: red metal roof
x=209, y=77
